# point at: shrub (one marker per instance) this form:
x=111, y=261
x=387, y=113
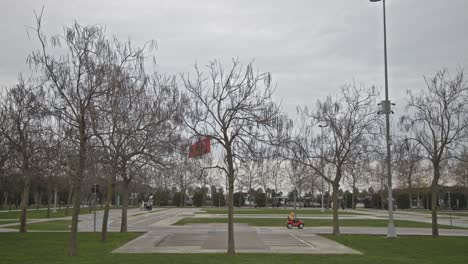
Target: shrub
x=260, y=199
x=198, y=198
x=239, y=199
x=176, y=199
x=218, y=199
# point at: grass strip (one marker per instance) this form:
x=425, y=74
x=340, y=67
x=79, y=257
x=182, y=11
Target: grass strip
x=42, y=248
x=279, y=222
x=276, y=211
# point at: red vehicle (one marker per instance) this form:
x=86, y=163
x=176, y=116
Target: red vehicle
x=294, y=222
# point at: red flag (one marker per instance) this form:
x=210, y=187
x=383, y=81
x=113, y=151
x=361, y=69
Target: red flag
x=200, y=148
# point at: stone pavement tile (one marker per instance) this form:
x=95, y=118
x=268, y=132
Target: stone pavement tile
x=209, y=241
x=325, y=245
x=142, y=244
x=242, y=241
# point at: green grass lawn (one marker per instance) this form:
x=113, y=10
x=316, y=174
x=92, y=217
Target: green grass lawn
x=275, y=211
x=279, y=222
x=39, y=214
x=8, y=222
x=42, y=248
x=49, y=225
x=447, y=214
x=440, y=214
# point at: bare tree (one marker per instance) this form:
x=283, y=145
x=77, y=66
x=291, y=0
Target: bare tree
x=356, y=171
x=185, y=173
x=5, y=181
x=350, y=119
x=248, y=178
x=406, y=163
x=438, y=121
x=77, y=78
x=230, y=106
x=264, y=170
x=20, y=124
x=120, y=117
x=142, y=125
x=461, y=173
x=297, y=174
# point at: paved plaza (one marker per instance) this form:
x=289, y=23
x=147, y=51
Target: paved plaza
x=212, y=238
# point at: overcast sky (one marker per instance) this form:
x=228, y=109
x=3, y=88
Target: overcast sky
x=310, y=47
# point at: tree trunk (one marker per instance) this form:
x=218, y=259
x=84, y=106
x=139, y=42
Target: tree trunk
x=90, y=203
x=434, y=192
x=55, y=200
x=410, y=189
x=295, y=199
x=49, y=201
x=181, y=202
x=77, y=178
x=5, y=200
x=410, y=200
x=382, y=193
x=231, y=246
x=203, y=191
x=25, y=199
x=105, y=218
x=69, y=198
x=353, y=205
x=123, y=224
x=336, y=226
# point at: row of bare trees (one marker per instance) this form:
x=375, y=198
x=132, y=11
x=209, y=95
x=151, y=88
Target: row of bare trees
x=434, y=128
x=92, y=108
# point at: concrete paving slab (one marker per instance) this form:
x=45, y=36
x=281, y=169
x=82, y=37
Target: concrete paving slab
x=242, y=241
x=210, y=241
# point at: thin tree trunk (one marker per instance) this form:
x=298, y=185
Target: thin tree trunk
x=5, y=200
x=90, y=203
x=77, y=178
x=295, y=199
x=49, y=201
x=434, y=191
x=37, y=199
x=382, y=197
x=410, y=189
x=435, y=228
x=69, y=198
x=203, y=191
x=410, y=200
x=25, y=199
x=123, y=224
x=55, y=200
x=353, y=205
x=105, y=218
x=231, y=246
x=336, y=226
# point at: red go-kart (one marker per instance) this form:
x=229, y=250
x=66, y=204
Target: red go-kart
x=295, y=223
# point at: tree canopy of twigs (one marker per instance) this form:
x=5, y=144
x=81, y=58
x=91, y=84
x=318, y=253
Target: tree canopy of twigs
x=438, y=122
x=231, y=106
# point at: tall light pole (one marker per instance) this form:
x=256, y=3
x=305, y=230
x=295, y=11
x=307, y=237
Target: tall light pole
x=322, y=165
x=387, y=109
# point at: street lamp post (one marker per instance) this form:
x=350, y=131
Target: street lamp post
x=386, y=109
x=322, y=165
